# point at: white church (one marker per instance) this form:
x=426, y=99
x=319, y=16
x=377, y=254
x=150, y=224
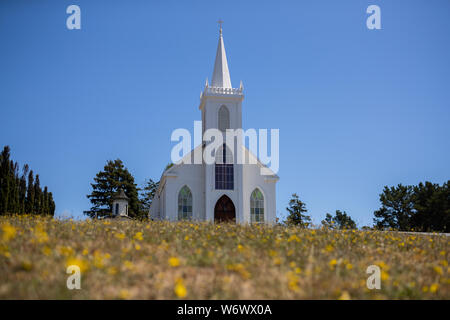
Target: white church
x=224, y=191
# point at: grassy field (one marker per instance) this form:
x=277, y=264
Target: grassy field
x=162, y=260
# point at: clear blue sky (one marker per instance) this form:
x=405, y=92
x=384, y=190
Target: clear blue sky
x=357, y=109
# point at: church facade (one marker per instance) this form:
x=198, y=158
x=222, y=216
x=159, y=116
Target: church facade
x=227, y=190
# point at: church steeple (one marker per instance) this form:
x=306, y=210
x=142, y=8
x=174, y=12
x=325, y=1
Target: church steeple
x=221, y=75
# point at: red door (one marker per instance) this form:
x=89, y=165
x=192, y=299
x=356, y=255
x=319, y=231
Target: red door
x=224, y=210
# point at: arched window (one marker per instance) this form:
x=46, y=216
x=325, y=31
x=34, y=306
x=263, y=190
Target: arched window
x=224, y=170
x=185, y=204
x=224, y=118
x=257, y=206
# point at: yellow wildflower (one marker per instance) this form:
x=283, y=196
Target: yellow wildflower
x=333, y=262
x=124, y=294
x=9, y=232
x=46, y=251
x=434, y=287
x=83, y=265
x=138, y=236
x=180, y=289
x=174, y=262
x=438, y=270
x=120, y=236
x=345, y=296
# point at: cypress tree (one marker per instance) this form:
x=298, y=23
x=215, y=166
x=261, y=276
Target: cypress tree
x=44, y=208
x=29, y=207
x=21, y=193
x=13, y=203
x=23, y=189
x=51, y=204
x=4, y=179
x=37, y=195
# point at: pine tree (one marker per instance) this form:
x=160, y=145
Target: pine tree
x=106, y=184
x=147, y=194
x=341, y=220
x=397, y=208
x=296, y=209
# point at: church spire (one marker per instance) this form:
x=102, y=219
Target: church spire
x=221, y=75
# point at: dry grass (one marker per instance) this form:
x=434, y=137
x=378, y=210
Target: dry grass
x=162, y=260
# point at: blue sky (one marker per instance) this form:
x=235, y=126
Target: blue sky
x=357, y=109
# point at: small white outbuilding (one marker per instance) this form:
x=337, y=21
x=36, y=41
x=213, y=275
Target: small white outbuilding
x=120, y=204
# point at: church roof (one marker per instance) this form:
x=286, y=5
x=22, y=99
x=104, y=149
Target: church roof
x=221, y=75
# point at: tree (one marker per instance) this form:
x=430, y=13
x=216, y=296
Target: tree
x=296, y=210
x=16, y=195
x=341, y=220
x=147, y=194
x=23, y=189
x=51, y=205
x=432, y=207
x=37, y=196
x=425, y=207
x=5, y=178
x=29, y=203
x=106, y=184
x=396, y=208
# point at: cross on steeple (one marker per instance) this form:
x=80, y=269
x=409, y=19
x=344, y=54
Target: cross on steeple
x=220, y=25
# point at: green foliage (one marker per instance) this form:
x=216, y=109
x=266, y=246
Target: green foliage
x=431, y=207
x=296, y=210
x=147, y=194
x=106, y=184
x=16, y=195
x=425, y=207
x=341, y=220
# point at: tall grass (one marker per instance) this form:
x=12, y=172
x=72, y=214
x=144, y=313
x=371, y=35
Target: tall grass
x=166, y=260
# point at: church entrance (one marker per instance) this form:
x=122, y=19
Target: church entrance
x=224, y=210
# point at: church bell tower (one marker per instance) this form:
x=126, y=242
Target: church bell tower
x=221, y=107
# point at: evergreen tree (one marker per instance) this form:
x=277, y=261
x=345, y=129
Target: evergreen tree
x=432, y=207
x=4, y=179
x=425, y=207
x=37, y=196
x=396, y=208
x=106, y=184
x=341, y=220
x=147, y=194
x=16, y=195
x=13, y=203
x=23, y=189
x=296, y=210
x=29, y=203
x=51, y=205
x=44, y=203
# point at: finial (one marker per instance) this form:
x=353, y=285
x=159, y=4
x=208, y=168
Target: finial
x=220, y=26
